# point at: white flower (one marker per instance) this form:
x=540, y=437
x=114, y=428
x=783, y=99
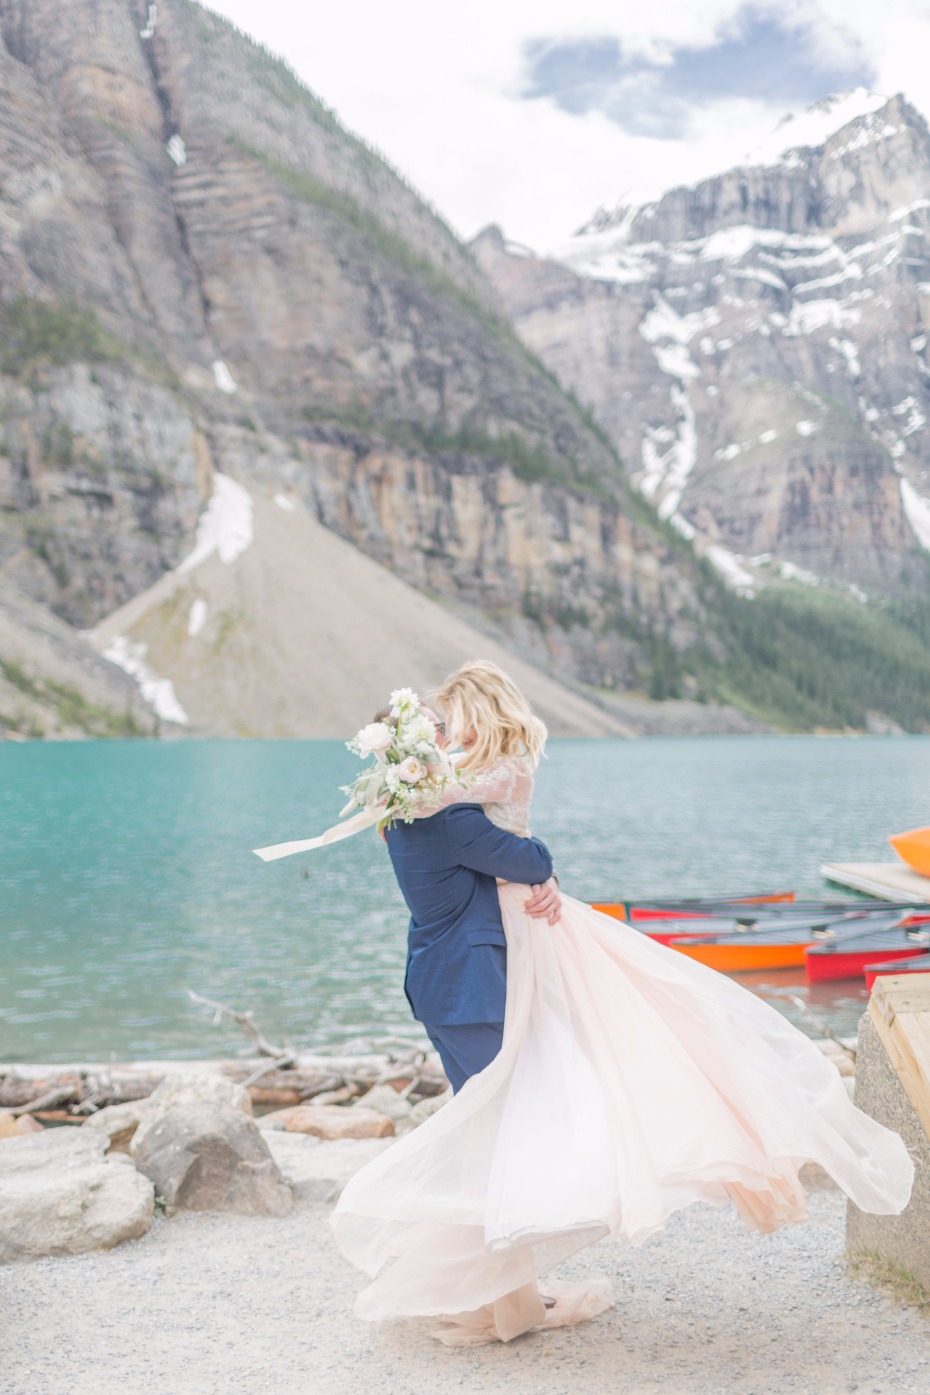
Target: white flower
x=402, y=699
x=374, y=739
x=417, y=729
x=411, y=770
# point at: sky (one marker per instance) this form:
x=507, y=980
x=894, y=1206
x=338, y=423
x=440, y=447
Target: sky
x=533, y=114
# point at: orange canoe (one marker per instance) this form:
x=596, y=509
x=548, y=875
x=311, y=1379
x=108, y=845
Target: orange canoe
x=914, y=849
x=735, y=959
x=613, y=908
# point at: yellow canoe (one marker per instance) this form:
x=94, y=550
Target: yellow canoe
x=914, y=849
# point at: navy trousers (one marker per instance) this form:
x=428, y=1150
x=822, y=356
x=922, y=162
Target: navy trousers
x=466, y=1050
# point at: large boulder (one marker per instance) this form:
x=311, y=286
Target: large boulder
x=60, y=1195
x=121, y=1122
x=195, y=1087
x=207, y=1155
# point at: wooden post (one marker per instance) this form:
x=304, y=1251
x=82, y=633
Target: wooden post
x=900, y=1011
x=893, y=1086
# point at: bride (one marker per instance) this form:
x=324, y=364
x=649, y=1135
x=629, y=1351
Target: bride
x=631, y=1082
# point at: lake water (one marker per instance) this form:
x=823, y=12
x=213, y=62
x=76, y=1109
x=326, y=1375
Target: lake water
x=126, y=874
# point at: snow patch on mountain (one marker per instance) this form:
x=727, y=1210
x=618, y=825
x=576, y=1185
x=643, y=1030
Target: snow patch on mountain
x=791, y=572
x=872, y=129
x=917, y=512
x=225, y=526
x=730, y=566
x=663, y=322
x=850, y=353
x=668, y=471
x=197, y=617
x=609, y=256
x=916, y=420
x=157, y=692
x=908, y=209
x=149, y=31
x=816, y=126
x=223, y=378
x=810, y=315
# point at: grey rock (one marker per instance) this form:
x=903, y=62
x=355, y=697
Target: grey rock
x=425, y=1109
x=318, y=1170
x=195, y=1088
x=384, y=1099
x=60, y=1195
x=209, y=1156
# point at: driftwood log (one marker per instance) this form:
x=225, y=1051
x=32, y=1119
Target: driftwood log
x=70, y=1094
x=82, y=1091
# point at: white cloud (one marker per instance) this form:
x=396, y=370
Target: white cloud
x=438, y=91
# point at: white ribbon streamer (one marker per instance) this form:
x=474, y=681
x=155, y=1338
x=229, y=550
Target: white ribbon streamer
x=365, y=818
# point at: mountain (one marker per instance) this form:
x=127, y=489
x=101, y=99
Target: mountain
x=204, y=276
x=756, y=347
x=269, y=439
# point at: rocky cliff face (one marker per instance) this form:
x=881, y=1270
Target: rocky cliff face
x=756, y=347
x=202, y=273
x=207, y=286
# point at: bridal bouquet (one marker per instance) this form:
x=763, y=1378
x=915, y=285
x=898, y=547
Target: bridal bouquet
x=409, y=772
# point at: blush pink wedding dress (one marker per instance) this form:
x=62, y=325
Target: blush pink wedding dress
x=632, y=1082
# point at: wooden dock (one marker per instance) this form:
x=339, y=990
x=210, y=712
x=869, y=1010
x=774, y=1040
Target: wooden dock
x=890, y=881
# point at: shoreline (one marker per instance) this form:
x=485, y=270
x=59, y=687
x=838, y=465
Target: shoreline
x=266, y=1078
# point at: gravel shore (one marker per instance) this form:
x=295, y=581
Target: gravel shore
x=222, y=1305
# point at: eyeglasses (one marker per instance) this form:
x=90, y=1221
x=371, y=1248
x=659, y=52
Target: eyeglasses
x=441, y=728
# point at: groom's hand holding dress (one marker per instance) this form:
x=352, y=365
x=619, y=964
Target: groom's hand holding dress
x=545, y=903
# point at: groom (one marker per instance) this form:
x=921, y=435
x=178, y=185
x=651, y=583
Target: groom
x=456, y=977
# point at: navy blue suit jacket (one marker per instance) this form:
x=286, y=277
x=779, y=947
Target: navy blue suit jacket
x=456, y=950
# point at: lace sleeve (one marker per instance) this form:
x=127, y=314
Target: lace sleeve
x=505, y=792
x=493, y=786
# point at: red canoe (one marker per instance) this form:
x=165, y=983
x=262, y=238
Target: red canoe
x=850, y=956
x=917, y=964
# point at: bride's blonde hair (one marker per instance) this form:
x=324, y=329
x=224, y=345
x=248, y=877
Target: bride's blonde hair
x=480, y=695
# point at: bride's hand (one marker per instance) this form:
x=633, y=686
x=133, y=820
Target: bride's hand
x=545, y=903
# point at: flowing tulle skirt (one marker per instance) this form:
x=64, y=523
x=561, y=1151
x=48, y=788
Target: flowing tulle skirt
x=632, y=1081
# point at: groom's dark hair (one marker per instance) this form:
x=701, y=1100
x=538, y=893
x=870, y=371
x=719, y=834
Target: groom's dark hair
x=383, y=714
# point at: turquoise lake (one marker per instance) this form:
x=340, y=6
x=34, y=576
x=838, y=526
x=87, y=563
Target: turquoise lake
x=126, y=874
